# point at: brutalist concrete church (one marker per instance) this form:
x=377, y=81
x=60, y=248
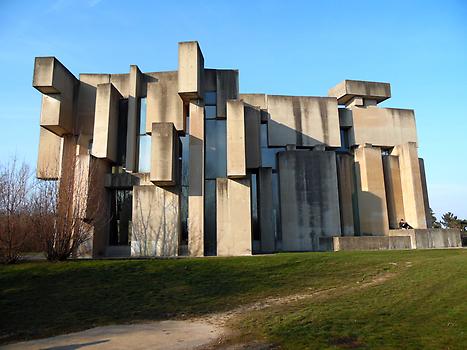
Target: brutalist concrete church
x=185, y=164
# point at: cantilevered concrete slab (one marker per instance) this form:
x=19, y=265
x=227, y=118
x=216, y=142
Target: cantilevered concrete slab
x=348, y=89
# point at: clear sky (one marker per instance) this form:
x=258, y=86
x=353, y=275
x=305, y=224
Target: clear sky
x=280, y=47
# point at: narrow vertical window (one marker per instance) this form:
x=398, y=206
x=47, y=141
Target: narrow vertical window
x=144, y=140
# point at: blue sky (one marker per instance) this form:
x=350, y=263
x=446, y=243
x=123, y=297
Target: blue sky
x=280, y=47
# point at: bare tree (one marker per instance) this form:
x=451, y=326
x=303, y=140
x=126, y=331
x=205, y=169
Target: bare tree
x=66, y=212
x=15, y=189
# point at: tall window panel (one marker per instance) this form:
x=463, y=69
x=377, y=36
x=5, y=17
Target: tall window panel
x=144, y=140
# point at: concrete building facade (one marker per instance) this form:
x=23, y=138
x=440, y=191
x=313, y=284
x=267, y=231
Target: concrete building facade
x=187, y=165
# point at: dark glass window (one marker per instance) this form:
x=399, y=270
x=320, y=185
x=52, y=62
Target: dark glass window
x=345, y=142
x=121, y=213
x=122, y=132
x=216, y=149
x=210, y=112
x=210, y=98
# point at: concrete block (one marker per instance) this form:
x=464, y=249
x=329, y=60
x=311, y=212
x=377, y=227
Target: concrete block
x=49, y=155
x=164, y=105
x=252, y=137
x=431, y=238
x=346, y=90
x=411, y=183
x=57, y=114
x=303, y=121
x=386, y=127
x=371, y=243
x=156, y=221
x=190, y=71
x=122, y=83
x=196, y=181
x=265, y=210
x=234, y=235
x=392, y=182
x=236, y=148
x=373, y=214
x=309, y=198
x=134, y=93
x=227, y=89
x=106, y=122
x=345, y=181
x=165, y=153
x=258, y=100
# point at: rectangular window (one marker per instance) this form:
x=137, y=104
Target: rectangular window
x=210, y=98
x=216, y=149
x=210, y=112
x=144, y=140
x=121, y=213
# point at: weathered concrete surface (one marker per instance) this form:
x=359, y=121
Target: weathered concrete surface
x=373, y=215
x=134, y=93
x=49, y=155
x=426, y=201
x=348, y=89
x=411, y=182
x=265, y=210
x=227, y=89
x=176, y=335
x=236, y=147
x=165, y=152
x=196, y=181
x=252, y=137
x=190, y=70
x=156, y=221
x=386, y=127
x=309, y=198
x=164, y=103
x=431, y=238
x=257, y=100
x=58, y=86
x=303, y=121
x=106, y=122
x=392, y=182
x=233, y=217
x=345, y=181
x=371, y=243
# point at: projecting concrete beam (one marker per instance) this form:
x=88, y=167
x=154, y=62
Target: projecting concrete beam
x=134, y=93
x=106, y=122
x=165, y=152
x=49, y=156
x=346, y=90
x=190, y=71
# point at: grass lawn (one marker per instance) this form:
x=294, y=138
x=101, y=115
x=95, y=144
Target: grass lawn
x=423, y=306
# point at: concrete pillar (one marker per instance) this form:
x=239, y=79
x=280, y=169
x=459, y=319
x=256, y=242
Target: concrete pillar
x=252, y=137
x=156, y=221
x=49, y=155
x=134, y=90
x=163, y=102
x=106, y=122
x=411, y=183
x=392, y=182
x=190, y=71
x=196, y=181
x=227, y=89
x=233, y=217
x=345, y=180
x=236, y=150
x=426, y=201
x=371, y=192
x=309, y=198
x=265, y=210
x=165, y=153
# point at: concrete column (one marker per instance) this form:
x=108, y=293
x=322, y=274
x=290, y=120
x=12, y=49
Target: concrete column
x=106, y=122
x=190, y=71
x=196, y=181
x=252, y=137
x=133, y=119
x=265, y=210
x=49, y=155
x=371, y=192
x=165, y=153
x=426, y=201
x=156, y=221
x=236, y=150
x=233, y=217
x=345, y=176
x=392, y=182
x=411, y=181
x=309, y=198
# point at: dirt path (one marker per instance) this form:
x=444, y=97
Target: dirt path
x=207, y=332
